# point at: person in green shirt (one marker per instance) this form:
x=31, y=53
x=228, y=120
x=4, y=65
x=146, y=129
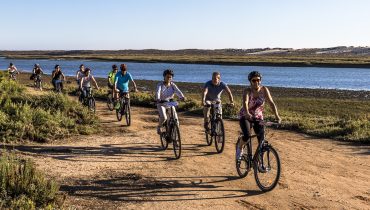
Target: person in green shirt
x=111, y=77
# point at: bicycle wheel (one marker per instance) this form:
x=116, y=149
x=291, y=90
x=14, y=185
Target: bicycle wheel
x=176, y=140
x=242, y=164
x=128, y=114
x=208, y=138
x=110, y=102
x=267, y=168
x=119, y=111
x=91, y=104
x=219, y=136
x=164, y=141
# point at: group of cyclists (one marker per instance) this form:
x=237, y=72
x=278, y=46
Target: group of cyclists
x=254, y=96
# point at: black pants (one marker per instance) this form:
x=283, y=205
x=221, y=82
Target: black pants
x=246, y=125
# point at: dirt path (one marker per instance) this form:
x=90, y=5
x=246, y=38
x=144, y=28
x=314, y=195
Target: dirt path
x=125, y=168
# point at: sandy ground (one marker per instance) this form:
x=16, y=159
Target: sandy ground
x=125, y=168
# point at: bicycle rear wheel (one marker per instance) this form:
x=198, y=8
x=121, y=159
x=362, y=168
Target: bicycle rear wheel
x=219, y=135
x=267, y=168
x=242, y=164
x=110, y=102
x=176, y=140
x=128, y=114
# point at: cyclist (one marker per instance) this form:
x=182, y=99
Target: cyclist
x=36, y=74
x=254, y=99
x=12, y=70
x=111, y=77
x=121, y=82
x=85, y=83
x=57, y=78
x=165, y=91
x=79, y=74
x=212, y=92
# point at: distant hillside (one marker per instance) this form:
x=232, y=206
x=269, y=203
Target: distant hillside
x=325, y=57
x=340, y=50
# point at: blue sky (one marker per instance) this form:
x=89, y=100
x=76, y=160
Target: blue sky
x=182, y=24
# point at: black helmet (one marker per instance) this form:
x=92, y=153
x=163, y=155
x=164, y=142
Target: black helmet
x=254, y=74
x=87, y=70
x=37, y=65
x=114, y=66
x=10, y=64
x=168, y=71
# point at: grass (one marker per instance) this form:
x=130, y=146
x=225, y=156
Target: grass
x=40, y=118
x=24, y=187
x=204, y=56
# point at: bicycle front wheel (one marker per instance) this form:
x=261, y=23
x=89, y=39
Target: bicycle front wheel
x=176, y=140
x=128, y=114
x=119, y=112
x=242, y=163
x=219, y=135
x=267, y=168
x=110, y=102
x=91, y=104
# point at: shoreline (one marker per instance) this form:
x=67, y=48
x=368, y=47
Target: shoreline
x=237, y=90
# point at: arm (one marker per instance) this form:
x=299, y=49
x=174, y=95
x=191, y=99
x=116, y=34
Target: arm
x=158, y=92
x=64, y=78
x=81, y=82
x=272, y=105
x=245, y=103
x=178, y=92
x=95, y=83
x=230, y=95
x=133, y=82
x=42, y=72
x=204, y=94
x=77, y=73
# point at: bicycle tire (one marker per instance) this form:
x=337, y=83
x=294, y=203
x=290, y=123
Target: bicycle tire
x=164, y=142
x=219, y=136
x=208, y=138
x=128, y=114
x=242, y=165
x=91, y=104
x=176, y=140
x=268, y=151
x=119, y=111
x=110, y=102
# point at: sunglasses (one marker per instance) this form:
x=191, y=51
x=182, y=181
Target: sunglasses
x=256, y=80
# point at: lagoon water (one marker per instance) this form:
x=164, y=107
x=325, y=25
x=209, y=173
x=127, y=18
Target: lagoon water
x=299, y=77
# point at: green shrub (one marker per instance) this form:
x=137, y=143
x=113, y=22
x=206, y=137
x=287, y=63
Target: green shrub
x=40, y=118
x=23, y=187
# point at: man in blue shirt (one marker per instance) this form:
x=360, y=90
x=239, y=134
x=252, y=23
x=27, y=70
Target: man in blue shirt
x=212, y=92
x=121, y=82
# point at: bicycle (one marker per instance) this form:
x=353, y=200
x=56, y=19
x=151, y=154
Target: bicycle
x=265, y=161
x=217, y=130
x=38, y=82
x=13, y=75
x=89, y=100
x=124, y=108
x=171, y=126
x=59, y=86
x=110, y=100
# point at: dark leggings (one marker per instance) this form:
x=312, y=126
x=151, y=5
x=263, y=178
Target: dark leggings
x=245, y=125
